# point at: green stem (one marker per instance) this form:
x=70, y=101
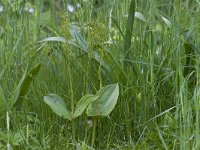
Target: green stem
x=71, y=94
x=87, y=73
x=94, y=133
x=74, y=132
x=86, y=132
x=99, y=69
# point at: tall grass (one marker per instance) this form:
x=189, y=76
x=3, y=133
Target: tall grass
x=155, y=63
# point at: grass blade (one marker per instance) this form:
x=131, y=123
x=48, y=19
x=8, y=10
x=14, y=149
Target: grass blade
x=24, y=84
x=129, y=27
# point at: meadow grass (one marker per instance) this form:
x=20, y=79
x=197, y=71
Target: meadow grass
x=155, y=63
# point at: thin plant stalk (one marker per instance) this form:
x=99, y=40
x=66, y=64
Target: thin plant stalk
x=71, y=95
x=94, y=132
x=100, y=86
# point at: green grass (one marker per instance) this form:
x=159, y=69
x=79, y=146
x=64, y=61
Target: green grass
x=155, y=63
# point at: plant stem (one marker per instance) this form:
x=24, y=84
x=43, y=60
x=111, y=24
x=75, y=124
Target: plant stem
x=71, y=96
x=73, y=132
x=94, y=133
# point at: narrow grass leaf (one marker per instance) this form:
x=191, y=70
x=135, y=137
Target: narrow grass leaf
x=80, y=42
x=83, y=103
x=3, y=103
x=166, y=21
x=140, y=16
x=116, y=61
x=53, y=39
x=57, y=104
x=161, y=138
x=162, y=113
x=2, y=72
x=190, y=55
x=23, y=85
x=189, y=33
x=106, y=102
x=129, y=27
x=118, y=27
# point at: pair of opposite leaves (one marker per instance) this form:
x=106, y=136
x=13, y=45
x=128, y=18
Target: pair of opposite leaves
x=100, y=104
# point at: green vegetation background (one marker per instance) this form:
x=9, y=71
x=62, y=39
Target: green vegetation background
x=155, y=63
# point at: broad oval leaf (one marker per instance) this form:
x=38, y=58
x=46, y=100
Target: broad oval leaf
x=57, y=104
x=54, y=39
x=83, y=103
x=106, y=102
